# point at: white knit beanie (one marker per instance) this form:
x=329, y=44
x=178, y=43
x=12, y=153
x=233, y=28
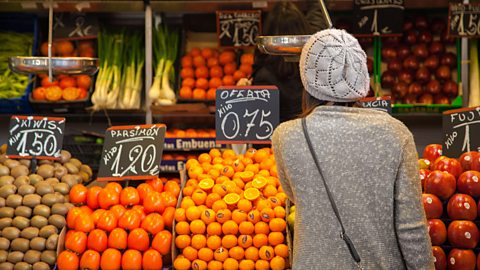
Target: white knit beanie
x=333, y=67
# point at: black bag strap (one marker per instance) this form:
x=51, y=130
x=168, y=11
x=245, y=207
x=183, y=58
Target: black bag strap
x=350, y=245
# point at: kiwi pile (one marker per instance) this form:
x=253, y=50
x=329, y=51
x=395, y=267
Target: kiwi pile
x=33, y=206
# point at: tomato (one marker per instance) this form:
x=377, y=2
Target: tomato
x=162, y=242
x=67, y=82
x=84, y=81
x=169, y=199
x=53, y=93
x=138, y=239
x=70, y=93
x=78, y=194
x=153, y=223
x=129, y=196
x=111, y=259
x=153, y=203
x=96, y=215
x=107, y=221
x=83, y=93
x=77, y=242
x=156, y=184
x=90, y=260
x=107, y=198
x=67, y=261
x=97, y=240
x=84, y=223
x=168, y=216
x=130, y=220
x=117, y=239
x=118, y=210
x=173, y=187
x=114, y=186
x=72, y=215
x=152, y=260
x=132, y=260
x=92, y=197
x=143, y=189
x=39, y=93
x=47, y=83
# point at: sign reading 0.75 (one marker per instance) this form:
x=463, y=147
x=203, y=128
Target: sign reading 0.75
x=246, y=114
x=132, y=152
x=35, y=137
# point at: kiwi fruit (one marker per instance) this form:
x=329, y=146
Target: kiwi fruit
x=45, y=171
x=38, y=243
x=26, y=189
x=26, y=162
x=14, y=200
x=34, y=179
x=23, y=211
x=49, y=257
x=39, y=221
x=68, y=205
x=59, y=198
x=86, y=169
x=65, y=156
x=43, y=188
x=42, y=210
x=21, y=180
x=59, y=209
x=22, y=266
x=6, y=179
x=20, y=244
x=52, y=241
x=21, y=222
x=32, y=256
x=40, y=266
x=70, y=180
x=29, y=233
x=6, y=266
x=57, y=221
x=3, y=256
x=4, y=243
x=32, y=200
x=15, y=256
x=49, y=199
x=4, y=170
x=45, y=161
x=71, y=168
x=48, y=230
x=52, y=181
x=20, y=170
x=2, y=202
x=59, y=172
x=5, y=222
x=76, y=162
x=7, y=190
x=10, y=233
x=61, y=188
x=10, y=163
x=7, y=212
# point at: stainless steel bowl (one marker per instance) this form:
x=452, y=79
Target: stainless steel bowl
x=60, y=65
x=282, y=45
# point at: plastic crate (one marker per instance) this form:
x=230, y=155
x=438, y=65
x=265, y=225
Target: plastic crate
x=87, y=149
x=22, y=23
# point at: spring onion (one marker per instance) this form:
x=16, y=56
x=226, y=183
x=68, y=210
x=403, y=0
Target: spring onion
x=132, y=75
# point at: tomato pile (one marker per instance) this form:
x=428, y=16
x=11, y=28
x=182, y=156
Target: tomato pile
x=450, y=190
x=232, y=214
x=115, y=227
x=69, y=88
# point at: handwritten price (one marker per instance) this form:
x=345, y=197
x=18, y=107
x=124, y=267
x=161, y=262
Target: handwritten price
x=141, y=160
x=234, y=119
x=47, y=145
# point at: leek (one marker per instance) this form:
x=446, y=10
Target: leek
x=474, y=93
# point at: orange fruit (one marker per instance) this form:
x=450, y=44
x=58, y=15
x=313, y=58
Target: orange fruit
x=273, y=171
x=246, y=265
x=180, y=215
x=214, y=152
x=259, y=182
x=239, y=216
x=226, y=57
x=281, y=250
x=190, y=253
x=187, y=61
x=223, y=215
x=274, y=201
x=186, y=203
x=206, y=184
x=212, y=198
x=213, y=173
x=202, y=208
x=262, y=204
x=270, y=190
x=214, y=228
x=247, y=176
x=198, y=61
x=190, y=163
x=247, y=69
x=229, y=69
x=219, y=161
x=282, y=197
x=267, y=214
x=238, y=74
x=231, y=198
x=227, y=171
x=213, y=61
x=260, y=240
x=220, y=189
x=251, y=253
x=199, y=93
x=195, y=52
x=246, y=227
x=215, y=82
x=266, y=253
x=208, y=216
x=185, y=92
x=206, y=53
x=253, y=167
x=222, y=179
x=262, y=227
x=279, y=212
x=188, y=190
x=201, y=72
x=193, y=213
x=205, y=254
x=277, y=263
x=276, y=238
x=187, y=73
x=219, y=205
x=212, y=93
x=198, y=227
x=229, y=241
x=182, y=241
x=237, y=253
x=201, y=83
x=188, y=82
x=204, y=157
x=254, y=216
x=228, y=154
x=245, y=241
x=262, y=265
x=199, y=197
x=215, y=265
x=199, y=241
x=247, y=58
x=230, y=227
x=277, y=225
x=228, y=80
x=220, y=254
x=182, y=227
x=216, y=72
x=181, y=263
x=214, y=242
x=251, y=194
x=230, y=264
x=199, y=265
x=195, y=171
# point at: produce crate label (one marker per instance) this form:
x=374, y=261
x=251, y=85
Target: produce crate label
x=35, y=137
x=75, y=26
x=238, y=28
x=378, y=17
x=246, y=114
x=464, y=20
x=461, y=129
x=171, y=165
x=187, y=144
x=378, y=103
x=132, y=152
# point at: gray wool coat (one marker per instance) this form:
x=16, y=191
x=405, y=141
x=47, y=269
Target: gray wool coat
x=369, y=161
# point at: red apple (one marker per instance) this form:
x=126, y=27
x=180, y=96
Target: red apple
x=425, y=37
x=433, y=87
x=407, y=24
x=403, y=51
x=466, y=159
x=423, y=173
x=437, y=231
x=438, y=25
x=469, y=183
x=410, y=37
x=437, y=47
x=476, y=163
x=421, y=22
x=450, y=88
x=400, y=89
x=394, y=65
x=463, y=234
x=462, y=207
x=415, y=89
x=441, y=99
x=441, y=184
x=432, y=205
x=410, y=99
x=432, y=152
x=424, y=163
x=426, y=98
x=405, y=76
x=431, y=62
x=388, y=79
x=450, y=165
x=422, y=75
x=440, y=258
x=447, y=39
x=421, y=51
x=388, y=54
x=443, y=73
x=461, y=259
x=411, y=63
x=449, y=59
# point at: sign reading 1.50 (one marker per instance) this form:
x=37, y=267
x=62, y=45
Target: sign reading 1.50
x=464, y=20
x=246, y=114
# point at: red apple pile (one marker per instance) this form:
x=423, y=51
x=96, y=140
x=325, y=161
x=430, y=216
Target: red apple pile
x=451, y=192
x=419, y=66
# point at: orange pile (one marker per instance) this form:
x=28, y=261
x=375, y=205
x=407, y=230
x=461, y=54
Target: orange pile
x=204, y=70
x=190, y=133
x=232, y=215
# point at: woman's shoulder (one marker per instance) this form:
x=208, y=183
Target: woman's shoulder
x=286, y=130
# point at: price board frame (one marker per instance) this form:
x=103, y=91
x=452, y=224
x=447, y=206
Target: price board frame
x=461, y=19
x=68, y=26
x=387, y=99
x=17, y=122
x=451, y=121
x=256, y=14
x=360, y=11
x=104, y=175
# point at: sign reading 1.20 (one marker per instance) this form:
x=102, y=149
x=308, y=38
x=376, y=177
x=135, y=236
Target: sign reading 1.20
x=246, y=114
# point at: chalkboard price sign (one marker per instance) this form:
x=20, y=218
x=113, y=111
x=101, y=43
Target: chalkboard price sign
x=75, y=26
x=378, y=17
x=35, y=137
x=132, y=152
x=378, y=103
x=246, y=114
x=238, y=28
x=464, y=20
x=461, y=129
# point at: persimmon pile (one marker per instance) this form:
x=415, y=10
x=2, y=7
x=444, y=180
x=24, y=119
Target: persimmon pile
x=232, y=214
x=120, y=228
x=204, y=70
x=190, y=133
